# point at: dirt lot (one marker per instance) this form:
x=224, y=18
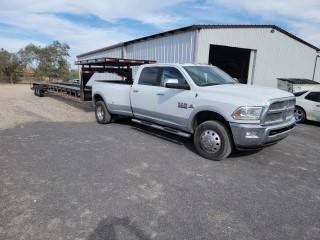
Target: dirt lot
x=62, y=176
x=18, y=106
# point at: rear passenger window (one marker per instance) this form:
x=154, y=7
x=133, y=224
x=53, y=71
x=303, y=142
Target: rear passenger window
x=313, y=96
x=150, y=76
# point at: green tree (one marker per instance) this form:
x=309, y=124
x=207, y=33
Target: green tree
x=73, y=74
x=50, y=61
x=10, y=66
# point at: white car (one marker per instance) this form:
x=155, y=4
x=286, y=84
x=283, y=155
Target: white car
x=307, y=105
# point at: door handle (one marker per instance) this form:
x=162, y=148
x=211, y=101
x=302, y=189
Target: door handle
x=160, y=94
x=135, y=90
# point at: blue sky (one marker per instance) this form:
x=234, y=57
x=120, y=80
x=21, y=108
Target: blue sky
x=87, y=25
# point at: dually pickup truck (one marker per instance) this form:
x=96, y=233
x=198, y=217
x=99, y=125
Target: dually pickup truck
x=200, y=101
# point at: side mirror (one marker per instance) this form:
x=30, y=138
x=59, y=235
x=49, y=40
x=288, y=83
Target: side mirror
x=174, y=83
x=171, y=80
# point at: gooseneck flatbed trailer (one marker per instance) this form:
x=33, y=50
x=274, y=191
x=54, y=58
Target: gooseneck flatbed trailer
x=81, y=92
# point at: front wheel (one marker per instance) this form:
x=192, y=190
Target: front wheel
x=102, y=114
x=213, y=141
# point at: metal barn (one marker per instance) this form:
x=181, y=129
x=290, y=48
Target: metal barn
x=254, y=54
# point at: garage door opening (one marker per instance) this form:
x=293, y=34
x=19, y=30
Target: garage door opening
x=234, y=61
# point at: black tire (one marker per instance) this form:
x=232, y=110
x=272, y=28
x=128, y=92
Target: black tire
x=36, y=91
x=212, y=140
x=40, y=92
x=101, y=112
x=300, y=114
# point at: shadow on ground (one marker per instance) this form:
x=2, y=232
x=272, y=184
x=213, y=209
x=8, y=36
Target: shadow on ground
x=74, y=102
x=106, y=229
x=186, y=142
x=313, y=123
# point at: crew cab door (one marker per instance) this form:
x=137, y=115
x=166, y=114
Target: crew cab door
x=152, y=101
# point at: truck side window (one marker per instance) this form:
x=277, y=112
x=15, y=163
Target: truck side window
x=170, y=72
x=313, y=96
x=150, y=76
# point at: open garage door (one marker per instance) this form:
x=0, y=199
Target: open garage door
x=234, y=61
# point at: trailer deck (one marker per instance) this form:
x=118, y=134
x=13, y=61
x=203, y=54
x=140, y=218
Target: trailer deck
x=120, y=66
x=62, y=89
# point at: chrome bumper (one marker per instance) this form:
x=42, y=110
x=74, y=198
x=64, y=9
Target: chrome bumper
x=256, y=136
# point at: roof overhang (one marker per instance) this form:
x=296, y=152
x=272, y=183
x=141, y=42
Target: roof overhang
x=114, y=62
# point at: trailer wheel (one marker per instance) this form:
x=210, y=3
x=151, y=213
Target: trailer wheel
x=36, y=90
x=40, y=92
x=102, y=114
x=212, y=140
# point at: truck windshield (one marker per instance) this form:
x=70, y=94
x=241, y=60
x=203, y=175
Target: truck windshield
x=208, y=75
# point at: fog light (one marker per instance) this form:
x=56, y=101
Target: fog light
x=252, y=134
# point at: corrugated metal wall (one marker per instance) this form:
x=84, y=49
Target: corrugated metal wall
x=277, y=55
x=177, y=48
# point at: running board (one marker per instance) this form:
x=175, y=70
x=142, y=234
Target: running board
x=166, y=129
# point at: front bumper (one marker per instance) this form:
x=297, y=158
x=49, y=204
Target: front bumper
x=252, y=136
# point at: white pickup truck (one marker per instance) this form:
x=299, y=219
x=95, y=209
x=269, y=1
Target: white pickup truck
x=200, y=101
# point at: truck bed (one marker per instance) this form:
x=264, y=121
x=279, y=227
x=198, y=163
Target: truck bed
x=116, y=94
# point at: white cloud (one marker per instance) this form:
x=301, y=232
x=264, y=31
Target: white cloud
x=40, y=17
x=307, y=9
x=80, y=38
x=302, y=16
x=13, y=45
x=109, y=10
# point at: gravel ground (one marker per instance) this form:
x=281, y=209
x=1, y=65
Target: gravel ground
x=64, y=177
x=18, y=105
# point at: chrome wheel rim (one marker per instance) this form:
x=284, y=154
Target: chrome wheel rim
x=298, y=114
x=210, y=141
x=100, y=113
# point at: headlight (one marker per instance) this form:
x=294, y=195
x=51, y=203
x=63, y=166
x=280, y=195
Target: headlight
x=247, y=113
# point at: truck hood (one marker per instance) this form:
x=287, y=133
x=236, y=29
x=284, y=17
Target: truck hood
x=248, y=94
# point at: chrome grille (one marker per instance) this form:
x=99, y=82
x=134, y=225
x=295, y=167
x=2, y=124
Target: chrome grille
x=279, y=111
x=273, y=117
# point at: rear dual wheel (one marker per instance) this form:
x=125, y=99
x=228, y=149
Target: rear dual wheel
x=101, y=112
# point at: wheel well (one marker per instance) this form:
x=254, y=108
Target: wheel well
x=300, y=107
x=97, y=98
x=206, y=116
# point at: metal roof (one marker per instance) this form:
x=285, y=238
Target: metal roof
x=107, y=61
x=198, y=27
x=298, y=81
